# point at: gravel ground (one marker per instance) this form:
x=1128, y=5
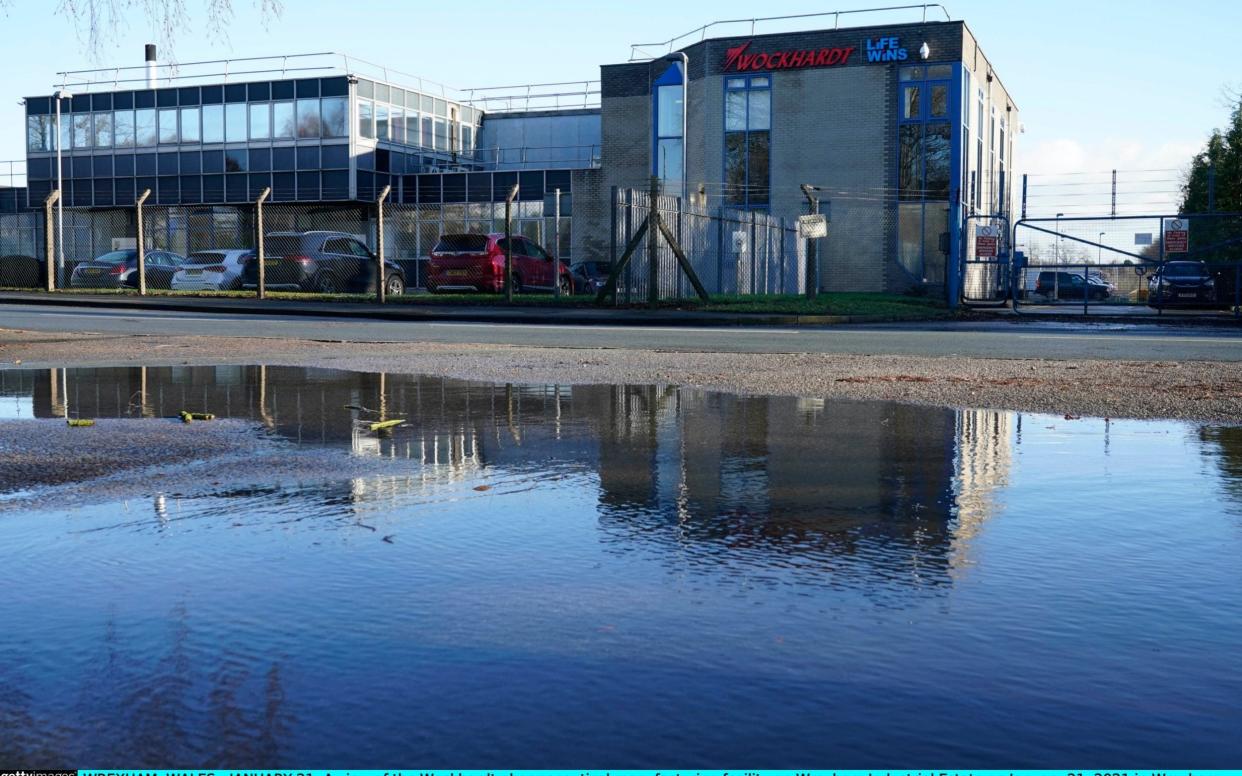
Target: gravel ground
x=1199, y=391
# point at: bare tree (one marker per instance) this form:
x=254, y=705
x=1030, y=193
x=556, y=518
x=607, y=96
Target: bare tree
x=96, y=21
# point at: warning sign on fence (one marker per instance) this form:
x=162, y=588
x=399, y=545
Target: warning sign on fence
x=986, y=239
x=1176, y=235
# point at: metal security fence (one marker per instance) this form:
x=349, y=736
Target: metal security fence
x=1184, y=262
x=732, y=252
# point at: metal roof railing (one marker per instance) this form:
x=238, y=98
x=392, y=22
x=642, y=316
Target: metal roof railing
x=638, y=54
x=326, y=63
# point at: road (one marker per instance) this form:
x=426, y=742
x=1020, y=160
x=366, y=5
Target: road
x=974, y=339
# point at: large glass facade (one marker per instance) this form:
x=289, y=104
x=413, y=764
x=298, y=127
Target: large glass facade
x=748, y=140
x=670, y=117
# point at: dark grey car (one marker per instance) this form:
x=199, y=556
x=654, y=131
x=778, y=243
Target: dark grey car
x=321, y=262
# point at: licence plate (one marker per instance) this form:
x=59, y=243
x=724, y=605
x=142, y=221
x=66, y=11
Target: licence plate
x=1186, y=296
x=270, y=262
x=194, y=272
x=92, y=271
x=457, y=273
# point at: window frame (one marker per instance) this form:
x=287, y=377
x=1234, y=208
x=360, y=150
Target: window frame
x=747, y=85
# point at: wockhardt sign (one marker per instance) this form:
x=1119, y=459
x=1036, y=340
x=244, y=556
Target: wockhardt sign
x=740, y=59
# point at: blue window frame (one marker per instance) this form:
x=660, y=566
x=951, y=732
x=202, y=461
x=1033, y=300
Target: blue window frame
x=668, y=146
x=748, y=141
x=927, y=168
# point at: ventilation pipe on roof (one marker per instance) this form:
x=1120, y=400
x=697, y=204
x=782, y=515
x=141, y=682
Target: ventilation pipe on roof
x=152, y=78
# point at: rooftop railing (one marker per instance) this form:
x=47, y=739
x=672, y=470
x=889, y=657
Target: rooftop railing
x=640, y=52
x=549, y=96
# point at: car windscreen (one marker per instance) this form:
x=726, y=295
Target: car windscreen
x=1184, y=269
x=286, y=245
x=116, y=257
x=461, y=243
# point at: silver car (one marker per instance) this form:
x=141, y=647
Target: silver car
x=213, y=270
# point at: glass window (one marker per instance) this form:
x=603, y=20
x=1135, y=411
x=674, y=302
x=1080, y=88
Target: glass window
x=910, y=161
x=335, y=116
x=145, y=130
x=235, y=122
x=103, y=130
x=235, y=160
x=936, y=151
x=910, y=73
x=939, y=71
x=189, y=126
x=668, y=111
x=260, y=121
x=441, y=108
x=66, y=131
x=213, y=123
x=467, y=139
x=910, y=107
x=308, y=118
x=428, y=132
x=757, y=168
x=168, y=125
x=735, y=111
x=441, y=135
x=38, y=133
x=283, y=124
x=366, y=125
x=939, y=100
x=668, y=159
x=760, y=116
x=381, y=121
x=83, y=131
x=396, y=125
x=123, y=128
x=735, y=168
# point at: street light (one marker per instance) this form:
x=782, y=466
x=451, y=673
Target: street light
x=1057, y=245
x=61, y=94
x=1099, y=256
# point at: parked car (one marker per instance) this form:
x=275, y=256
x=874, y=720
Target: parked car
x=476, y=262
x=324, y=262
x=119, y=269
x=590, y=276
x=1181, y=283
x=1069, y=286
x=216, y=270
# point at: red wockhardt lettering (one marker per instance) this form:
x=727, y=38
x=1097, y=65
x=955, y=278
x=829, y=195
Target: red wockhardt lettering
x=740, y=59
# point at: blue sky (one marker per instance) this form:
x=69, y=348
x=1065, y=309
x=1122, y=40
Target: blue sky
x=1099, y=85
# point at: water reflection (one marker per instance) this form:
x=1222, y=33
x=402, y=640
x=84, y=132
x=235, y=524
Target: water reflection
x=880, y=488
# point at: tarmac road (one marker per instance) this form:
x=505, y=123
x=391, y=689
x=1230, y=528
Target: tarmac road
x=986, y=339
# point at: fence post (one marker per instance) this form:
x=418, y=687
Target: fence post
x=556, y=241
x=509, y=242
x=812, y=249
x=142, y=250
x=653, y=263
x=380, y=291
x=260, y=251
x=49, y=242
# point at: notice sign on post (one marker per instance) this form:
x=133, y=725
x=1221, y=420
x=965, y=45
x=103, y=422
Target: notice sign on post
x=1176, y=235
x=813, y=226
x=986, y=239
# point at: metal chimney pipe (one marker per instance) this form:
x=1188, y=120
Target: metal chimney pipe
x=152, y=77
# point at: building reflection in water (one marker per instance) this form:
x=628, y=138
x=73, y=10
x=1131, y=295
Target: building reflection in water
x=892, y=489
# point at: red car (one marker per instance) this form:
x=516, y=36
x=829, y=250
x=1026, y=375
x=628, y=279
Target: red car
x=476, y=262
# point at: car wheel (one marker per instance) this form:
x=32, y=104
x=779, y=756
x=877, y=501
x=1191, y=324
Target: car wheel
x=517, y=283
x=567, y=287
x=394, y=285
x=326, y=283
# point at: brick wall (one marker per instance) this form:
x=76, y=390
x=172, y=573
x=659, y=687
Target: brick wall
x=592, y=214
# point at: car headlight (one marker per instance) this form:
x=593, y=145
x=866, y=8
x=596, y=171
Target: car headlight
x=1210, y=283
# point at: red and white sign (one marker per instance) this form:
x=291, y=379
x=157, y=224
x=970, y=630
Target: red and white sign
x=741, y=60
x=986, y=240
x=1176, y=235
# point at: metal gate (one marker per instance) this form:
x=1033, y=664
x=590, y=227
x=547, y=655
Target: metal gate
x=985, y=259
x=1187, y=263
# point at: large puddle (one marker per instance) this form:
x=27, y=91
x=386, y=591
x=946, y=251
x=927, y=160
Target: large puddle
x=540, y=576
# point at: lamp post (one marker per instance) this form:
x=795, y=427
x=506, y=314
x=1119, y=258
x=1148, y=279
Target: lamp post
x=60, y=186
x=1057, y=245
x=1099, y=255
